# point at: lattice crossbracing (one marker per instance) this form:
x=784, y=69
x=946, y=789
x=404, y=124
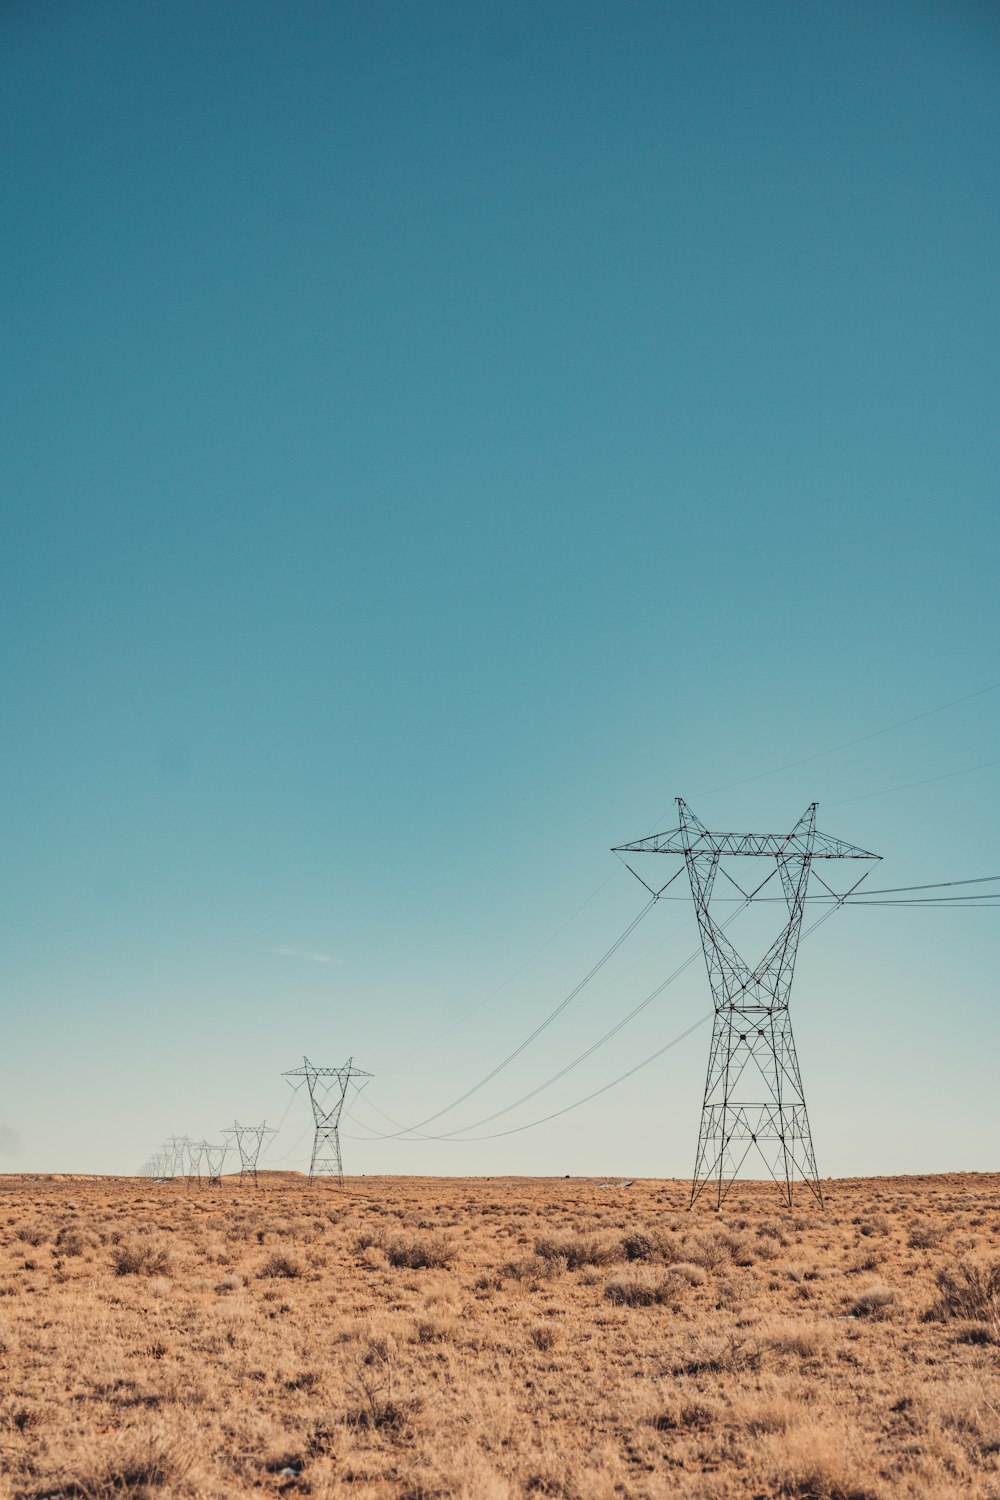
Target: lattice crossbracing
x=754, y=1108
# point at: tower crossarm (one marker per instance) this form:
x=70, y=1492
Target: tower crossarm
x=309, y=1069
x=754, y=845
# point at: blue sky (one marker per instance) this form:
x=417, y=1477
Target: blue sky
x=435, y=437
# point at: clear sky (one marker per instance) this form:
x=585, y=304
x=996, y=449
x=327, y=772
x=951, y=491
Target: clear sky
x=434, y=437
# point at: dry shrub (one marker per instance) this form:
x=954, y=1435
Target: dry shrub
x=719, y=1247
x=579, y=1249
x=772, y=1233
x=140, y=1258
x=408, y=1252
x=816, y=1463
x=280, y=1265
x=375, y=1378
x=544, y=1336
x=431, y=1331
x=637, y=1289
x=728, y=1356
x=925, y=1236
x=531, y=1268
x=872, y=1224
x=684, y=1270
x=145, y=1462
x=73, y=1239
x=970, y=1291
x=792, y=1338
x=32, y=1234
x=977, y=1333
x=432, y=1252
x=873, y=1302
x=648, y=1244
x=690, y=1414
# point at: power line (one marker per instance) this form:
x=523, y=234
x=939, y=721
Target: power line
x=467, y=1015
x=869, y=892
x=860, y=740
x=595, y=1046
x=532, y=1124
x=269, y=1143
x=934, y=885
x=453, y=1138
x=907, y=785
x=954, y=903
x=622, y=1077
x=804, y=760
x=835, y=902
x=542, y=1026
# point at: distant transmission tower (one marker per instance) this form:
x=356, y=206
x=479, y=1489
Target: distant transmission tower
x=195, y=1151
x=248, y=1140
x=754, y=1102
x=327, y=1100
x=215, y=1157
x=173, y=1155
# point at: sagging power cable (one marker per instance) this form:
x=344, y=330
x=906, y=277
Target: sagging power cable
x=413, y=1130
x=595, y=1093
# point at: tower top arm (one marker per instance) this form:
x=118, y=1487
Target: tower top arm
x=700, y=841
x=310, y=1070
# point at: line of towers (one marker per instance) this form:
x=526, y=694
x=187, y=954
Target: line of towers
x=753, y=1107
x=203, y=1161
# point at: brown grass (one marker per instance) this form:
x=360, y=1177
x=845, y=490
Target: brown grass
x=494, y=1339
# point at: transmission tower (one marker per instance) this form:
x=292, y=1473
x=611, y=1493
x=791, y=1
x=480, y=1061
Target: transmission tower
x=215, y=1157
x=173, y=1155
x=754, y=1105
x=327, y=1100
x=195, y=1151
x=248, y=1140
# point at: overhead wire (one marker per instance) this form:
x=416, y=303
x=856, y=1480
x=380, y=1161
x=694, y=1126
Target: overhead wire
x=630, y=1073
x=415, y=1134
x=604, y=1088
x=291, y=1100
x=835, y=902
x=460, y=1137
x=865, y=899
x=542, y=1026
x=292, y=1150
x=860, y=740
x=467, y=1015
x=908, y=785
x=594, y=1046
x=568, y=1068
x=869, y=895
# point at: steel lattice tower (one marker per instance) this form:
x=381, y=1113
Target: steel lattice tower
x=215, y=1157
x=195, y=1152
x=248, y=1140
x=327, y=1100
x=754, y=1104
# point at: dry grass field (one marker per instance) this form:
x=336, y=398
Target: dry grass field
x=409, y=1338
